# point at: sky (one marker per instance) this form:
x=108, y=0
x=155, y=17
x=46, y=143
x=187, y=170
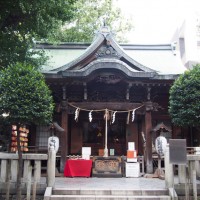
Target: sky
x=155, y=21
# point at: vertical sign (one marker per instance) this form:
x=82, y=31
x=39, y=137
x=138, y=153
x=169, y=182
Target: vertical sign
x=177, y=151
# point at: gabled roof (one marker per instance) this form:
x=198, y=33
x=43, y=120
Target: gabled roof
x=162, y=127
x=105, y=52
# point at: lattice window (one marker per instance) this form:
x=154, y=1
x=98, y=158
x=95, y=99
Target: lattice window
x=42, y=135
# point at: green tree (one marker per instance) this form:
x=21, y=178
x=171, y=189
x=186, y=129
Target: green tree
x=22, y=21
x=184, y=106
x=27, y=99
x=89, y=17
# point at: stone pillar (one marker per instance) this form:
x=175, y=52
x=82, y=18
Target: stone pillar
x=26, y=169
x=182, y=173
x=51, y=167
x=193, y=175
x=64, y=135
x=148, y=128
x=169, y=173
x=3, y=170
x=197, y=166
x=14, y=169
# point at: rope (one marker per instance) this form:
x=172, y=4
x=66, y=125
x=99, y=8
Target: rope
x=100, y=110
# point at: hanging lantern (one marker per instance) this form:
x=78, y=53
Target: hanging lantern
x=90, y=115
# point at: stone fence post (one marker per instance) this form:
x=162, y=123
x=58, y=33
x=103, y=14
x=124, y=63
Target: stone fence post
x=169, y=173
x=51, y=166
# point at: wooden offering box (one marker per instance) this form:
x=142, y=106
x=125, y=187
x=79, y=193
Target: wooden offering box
x=107, y=166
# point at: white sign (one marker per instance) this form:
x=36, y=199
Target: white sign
x=131, y=146
x=132, y=169
x=86, y=150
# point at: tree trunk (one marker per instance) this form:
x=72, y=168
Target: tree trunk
x=19, y=172
x=191, y=136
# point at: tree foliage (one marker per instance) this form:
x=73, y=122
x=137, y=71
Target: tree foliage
x=184, y=106
x=89, y=17
x=21, y=21
x=25, y=95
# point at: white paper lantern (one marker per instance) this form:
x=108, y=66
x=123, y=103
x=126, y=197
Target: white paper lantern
x=160, y=145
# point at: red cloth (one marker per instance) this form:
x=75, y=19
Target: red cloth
x=78, y=168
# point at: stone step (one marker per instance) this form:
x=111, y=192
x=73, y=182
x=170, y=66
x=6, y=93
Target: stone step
x=103, y=194
x=125, y=192
x=108, y=197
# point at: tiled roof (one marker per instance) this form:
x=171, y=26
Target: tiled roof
x=157, y=59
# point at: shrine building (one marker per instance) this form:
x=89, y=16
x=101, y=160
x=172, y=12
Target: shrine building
x=125, y=85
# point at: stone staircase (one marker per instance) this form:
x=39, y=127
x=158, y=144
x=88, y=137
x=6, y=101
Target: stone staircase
x=101, y=194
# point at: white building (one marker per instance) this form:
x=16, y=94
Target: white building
x=188, y=41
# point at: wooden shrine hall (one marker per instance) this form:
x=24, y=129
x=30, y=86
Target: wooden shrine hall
x=108, y=94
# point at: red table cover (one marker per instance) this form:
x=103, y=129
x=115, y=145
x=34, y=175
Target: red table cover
x=80, y=168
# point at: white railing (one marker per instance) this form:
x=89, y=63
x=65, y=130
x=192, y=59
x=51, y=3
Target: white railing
x=32, y=170
x=189, y=171
x=11, y=159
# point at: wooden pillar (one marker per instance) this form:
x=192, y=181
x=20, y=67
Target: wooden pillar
x=64, y=124
x=148, y=128
x=64, y=135
x=128, y=91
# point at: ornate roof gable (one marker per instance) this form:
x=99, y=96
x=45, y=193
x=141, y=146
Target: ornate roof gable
x=104, y=52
